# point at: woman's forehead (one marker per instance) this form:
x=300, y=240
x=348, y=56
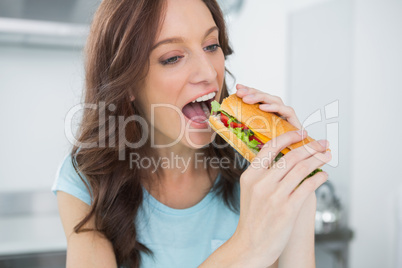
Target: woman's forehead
x=185, y=18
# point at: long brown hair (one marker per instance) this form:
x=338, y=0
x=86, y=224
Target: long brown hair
x=117, y=55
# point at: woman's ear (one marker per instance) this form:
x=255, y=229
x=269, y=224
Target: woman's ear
x=132, y=98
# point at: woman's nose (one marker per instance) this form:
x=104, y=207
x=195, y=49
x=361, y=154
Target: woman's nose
x=203, y=69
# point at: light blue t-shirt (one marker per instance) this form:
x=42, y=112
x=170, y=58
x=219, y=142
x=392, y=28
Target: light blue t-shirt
x=179, y=238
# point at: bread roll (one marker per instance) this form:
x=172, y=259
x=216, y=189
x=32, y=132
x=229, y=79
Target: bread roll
x=265, y=125
x=217, y=125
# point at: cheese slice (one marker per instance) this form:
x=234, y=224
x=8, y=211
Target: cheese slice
x=265, y=139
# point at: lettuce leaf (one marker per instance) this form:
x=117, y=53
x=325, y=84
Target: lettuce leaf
x=241, y=134
x=314, y=172
x=278, y=156
x=245, y=137
x=215, y=107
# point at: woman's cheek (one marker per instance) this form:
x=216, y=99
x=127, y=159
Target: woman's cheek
x=219, y=63
x=168, y=122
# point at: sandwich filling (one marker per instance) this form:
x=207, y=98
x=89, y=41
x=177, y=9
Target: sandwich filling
x=239, y=129
x=243, y=132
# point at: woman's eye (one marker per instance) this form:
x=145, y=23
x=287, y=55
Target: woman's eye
x=171, y=60
x=212, y=48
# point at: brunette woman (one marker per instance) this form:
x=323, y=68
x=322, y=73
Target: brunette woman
x=148, y=183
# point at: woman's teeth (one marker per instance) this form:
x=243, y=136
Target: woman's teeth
x=206, y=110
x=205, y=97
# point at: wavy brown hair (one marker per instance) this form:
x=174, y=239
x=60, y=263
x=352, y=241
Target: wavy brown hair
x=116, y=63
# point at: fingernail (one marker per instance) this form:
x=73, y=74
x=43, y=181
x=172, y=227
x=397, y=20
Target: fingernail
x=302, y=133
x=265, y=105
x=250, y=96
x=323, y=143
x=242, y=89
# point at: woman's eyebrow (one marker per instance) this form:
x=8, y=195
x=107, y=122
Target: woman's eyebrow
x=180, y=40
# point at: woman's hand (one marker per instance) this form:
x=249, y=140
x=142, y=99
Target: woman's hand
x=272, y=200
x=270, y=204
x=269, y=103
x=269, y=200
x=299, y=251
x=286, y=219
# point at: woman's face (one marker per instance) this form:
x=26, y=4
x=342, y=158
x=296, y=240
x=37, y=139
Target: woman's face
x=185, y=64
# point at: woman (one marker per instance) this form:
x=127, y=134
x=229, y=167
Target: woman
x=140, y=189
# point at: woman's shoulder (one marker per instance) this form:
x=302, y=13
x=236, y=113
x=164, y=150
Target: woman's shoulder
x=69, y=180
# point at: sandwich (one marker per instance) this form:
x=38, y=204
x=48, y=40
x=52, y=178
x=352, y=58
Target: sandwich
x=247, y=128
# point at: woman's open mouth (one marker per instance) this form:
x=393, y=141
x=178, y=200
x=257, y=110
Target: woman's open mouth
x=199, y=110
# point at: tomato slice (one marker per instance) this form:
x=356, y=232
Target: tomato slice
x=224, y=119
x=235, y=125
x=253, y=137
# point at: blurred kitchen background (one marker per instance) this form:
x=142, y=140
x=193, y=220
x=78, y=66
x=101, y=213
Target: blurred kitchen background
x=337, y=62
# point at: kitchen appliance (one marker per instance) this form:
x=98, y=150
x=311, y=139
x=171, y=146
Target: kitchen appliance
x=329, y=210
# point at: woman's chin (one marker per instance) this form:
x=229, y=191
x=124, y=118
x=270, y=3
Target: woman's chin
x=197, y=140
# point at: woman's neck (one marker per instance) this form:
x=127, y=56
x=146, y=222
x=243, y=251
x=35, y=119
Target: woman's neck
x=184, y=178
x=179, y=162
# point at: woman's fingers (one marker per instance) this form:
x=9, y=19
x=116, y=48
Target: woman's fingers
x=285, y=111
x=243, y=90
x=268, y=103
x=252, y=94
x=302, y=170
x=271, y=149
x=261, y=97
x=298, y=197
x=294, y=164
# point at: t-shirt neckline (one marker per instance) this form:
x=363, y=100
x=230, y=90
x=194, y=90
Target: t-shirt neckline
x=186, y=211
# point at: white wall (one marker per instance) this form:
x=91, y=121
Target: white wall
x=299, y=50
x=302, y=52
x=377, y=132
x=319, y=73
x=258, y=37
x=351, y=50
x=37, y=88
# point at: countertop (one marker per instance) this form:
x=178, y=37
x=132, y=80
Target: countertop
x=31, y=234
